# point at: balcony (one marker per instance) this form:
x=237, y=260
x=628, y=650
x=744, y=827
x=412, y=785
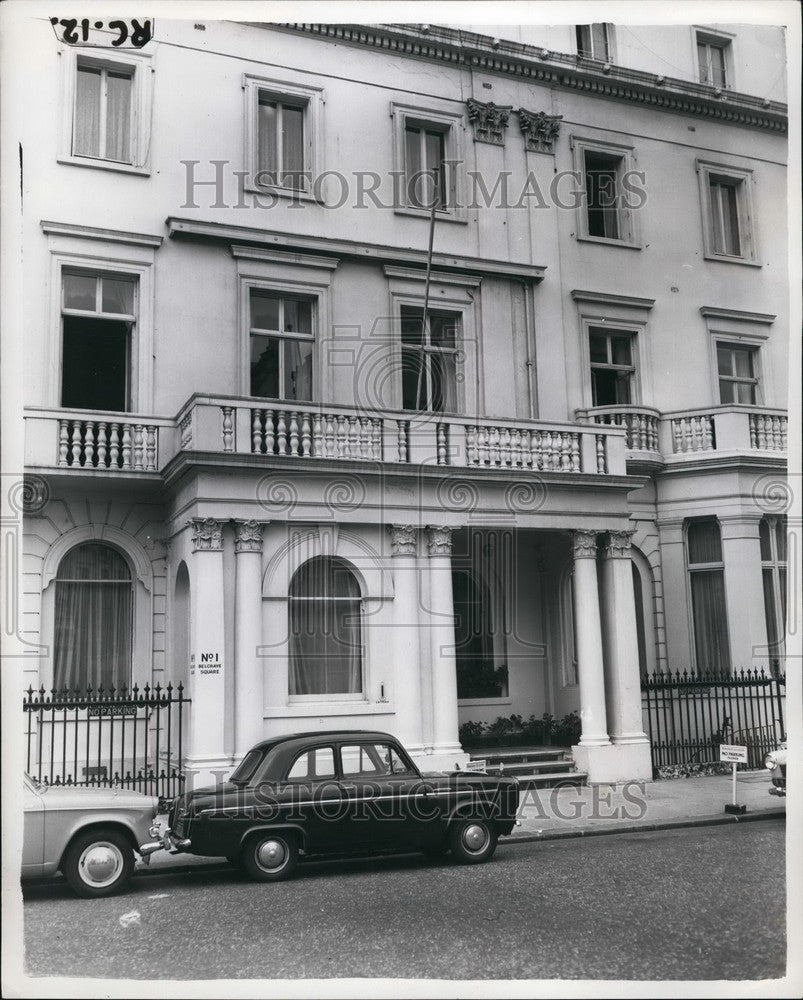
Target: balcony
x=655, y=439
x=87, y=443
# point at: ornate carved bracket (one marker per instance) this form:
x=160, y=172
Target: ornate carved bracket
x=247, y=536
x=403, y=539
x=489, y=121
x=618, y=544
x=207, y=534
x=439, y=540
x=540, y=130
x=584, y=544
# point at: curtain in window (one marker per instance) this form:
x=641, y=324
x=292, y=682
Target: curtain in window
x=266, y=141
x=292, y=146
x=704, y=542
x=325, y=629
x=86, y=132
x=93, y=633
x=710, y=622
x=118, y=117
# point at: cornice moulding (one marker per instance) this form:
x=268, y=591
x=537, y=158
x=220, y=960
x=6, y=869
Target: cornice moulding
x=94, y=233
x=631, y=301
x=738, y=315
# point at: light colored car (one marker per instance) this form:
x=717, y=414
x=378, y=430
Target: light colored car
x=90, y=834
x=775, y=763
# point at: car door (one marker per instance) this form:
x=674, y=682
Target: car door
x=310, y=795
x=33, y=840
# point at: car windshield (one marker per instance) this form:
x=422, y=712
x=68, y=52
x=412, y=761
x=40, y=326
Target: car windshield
x=247, y=766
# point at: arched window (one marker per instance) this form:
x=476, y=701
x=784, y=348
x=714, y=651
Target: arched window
x=94, y=619
x=325, y=629
x=707, y=582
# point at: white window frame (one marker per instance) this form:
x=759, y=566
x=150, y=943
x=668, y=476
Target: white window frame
x=754, y=380
x=751, y=342
x=140, y=65
x=450, y=293
x=627, y=218
x=608, y=332
x=717, y=38
x=610, y=36
x=452, y=124
x=131, y=259
x=283, y=91
x=284, y=274
x=284, y=336
x=742, y=180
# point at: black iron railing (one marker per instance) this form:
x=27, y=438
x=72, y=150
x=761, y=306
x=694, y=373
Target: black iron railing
x=128, y=739
x=689, y=716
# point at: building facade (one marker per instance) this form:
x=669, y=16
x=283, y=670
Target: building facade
x=284, y=457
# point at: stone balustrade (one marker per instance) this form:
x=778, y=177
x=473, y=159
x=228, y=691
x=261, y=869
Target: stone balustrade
x=640, y=423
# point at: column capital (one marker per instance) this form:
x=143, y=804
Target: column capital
x=584, y=543
x=247, y=536
x=403, y=539
x=618, y=544
x=207, y=534
x=439, y=540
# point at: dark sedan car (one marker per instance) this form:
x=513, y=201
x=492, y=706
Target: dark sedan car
x=350, y=792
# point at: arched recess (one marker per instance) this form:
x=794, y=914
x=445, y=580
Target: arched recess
x=139, y=563
x=644, y=597
x=181, y=630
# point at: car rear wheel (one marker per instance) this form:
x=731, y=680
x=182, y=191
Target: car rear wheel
x=98, y=863
x=270, y=857
x=472, y=841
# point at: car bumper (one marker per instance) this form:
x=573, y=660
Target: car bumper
x=175, y=845
x=779, y=790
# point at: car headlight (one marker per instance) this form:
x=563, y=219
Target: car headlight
x=770, y=762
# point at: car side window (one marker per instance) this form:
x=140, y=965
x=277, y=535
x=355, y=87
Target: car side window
x=313, y=765
x=371, y=760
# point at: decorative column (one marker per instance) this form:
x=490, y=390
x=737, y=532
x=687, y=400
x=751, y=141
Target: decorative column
x=588, y=640
x=623, y=679
x=249, y=699
x=206, y=760
x=442, y=643
x=406, y=627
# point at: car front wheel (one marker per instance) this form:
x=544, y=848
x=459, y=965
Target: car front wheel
x=98, y=863
x=472, y=841
x=270, y=857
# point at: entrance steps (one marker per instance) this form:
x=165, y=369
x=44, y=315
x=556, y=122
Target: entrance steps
x=535, y=767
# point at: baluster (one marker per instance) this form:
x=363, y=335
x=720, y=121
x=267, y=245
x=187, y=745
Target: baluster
x=654, y=433
x=600, y=453
x=515, y=448
x=526, y=449
x=482, y=445
x=228, y=428
x=376, y=439
x=114, y=446
x=708, y=433
x=546, y=442
x=762, y=432
x=256, y=432
x=575, y=453
x=440, y=437
x=472, y=455
x=306, y=436
x=329, y=436
x=495, y=449
x=341, y=436
x=150, y=448
x=783, y=422
x=126, y=449
x=402, y=440
x=318, y=443
x=365, y=438
x=101, y=439
x=294, y=433
x=270, y=443
x=89, y=444
x=535, y=449
x=353, y=438
x=138, y=448
x=566, y=452
x=63, y=442
x=677, y=444
x=281, y=433
x=751, y=421
x=76, y=442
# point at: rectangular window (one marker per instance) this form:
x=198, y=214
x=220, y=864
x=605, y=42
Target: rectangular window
x=724, y=194
x=612, y=367
x=98, y=318
x=737, y=373
x=593, y=41
x=424, y=169
x=727, y=214
x=611, y=191
x=313, y=765
x=281, y=346
x=429, y=354
x=707, y=584
x=602, y=174
x=711, y=60
x=280, y=142
x=102, y=123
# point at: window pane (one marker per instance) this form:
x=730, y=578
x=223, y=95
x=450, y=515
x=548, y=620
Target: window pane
x=298, y=369
x=599, y=41
x=264, y=311
x=367, y=760
x=264, y=367
x=710, y=622
x=433, y=148
x=604, y=387
x=292, y=146
x=770, y=611
x=80, y=291
x=94, y=363
x=118, y=295
x=745, y=392
x=780, y=538
x=118, y=117
x=727, y=391
x=313, y=764
x=717, y=65
x=93, y=561
x=743, y=361
x=583, y=32
x=442, y=377
x=297, y=316
x=702, y=61
x=266, y=139
x=601, y=195
x=411, y=328
x=442, y=329
x=414, y=387
x=764, y=540
x=724, y=360
x=413, y=167
x=599, y=348
x=86, y=129
x=704, y=542
x=621, y=350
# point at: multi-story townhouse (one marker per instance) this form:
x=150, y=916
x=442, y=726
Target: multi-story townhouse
x=259, y=472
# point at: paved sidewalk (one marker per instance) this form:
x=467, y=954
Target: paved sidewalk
x=551, y=813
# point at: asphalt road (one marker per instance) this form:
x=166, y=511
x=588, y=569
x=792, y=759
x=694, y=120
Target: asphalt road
x=704, y=903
